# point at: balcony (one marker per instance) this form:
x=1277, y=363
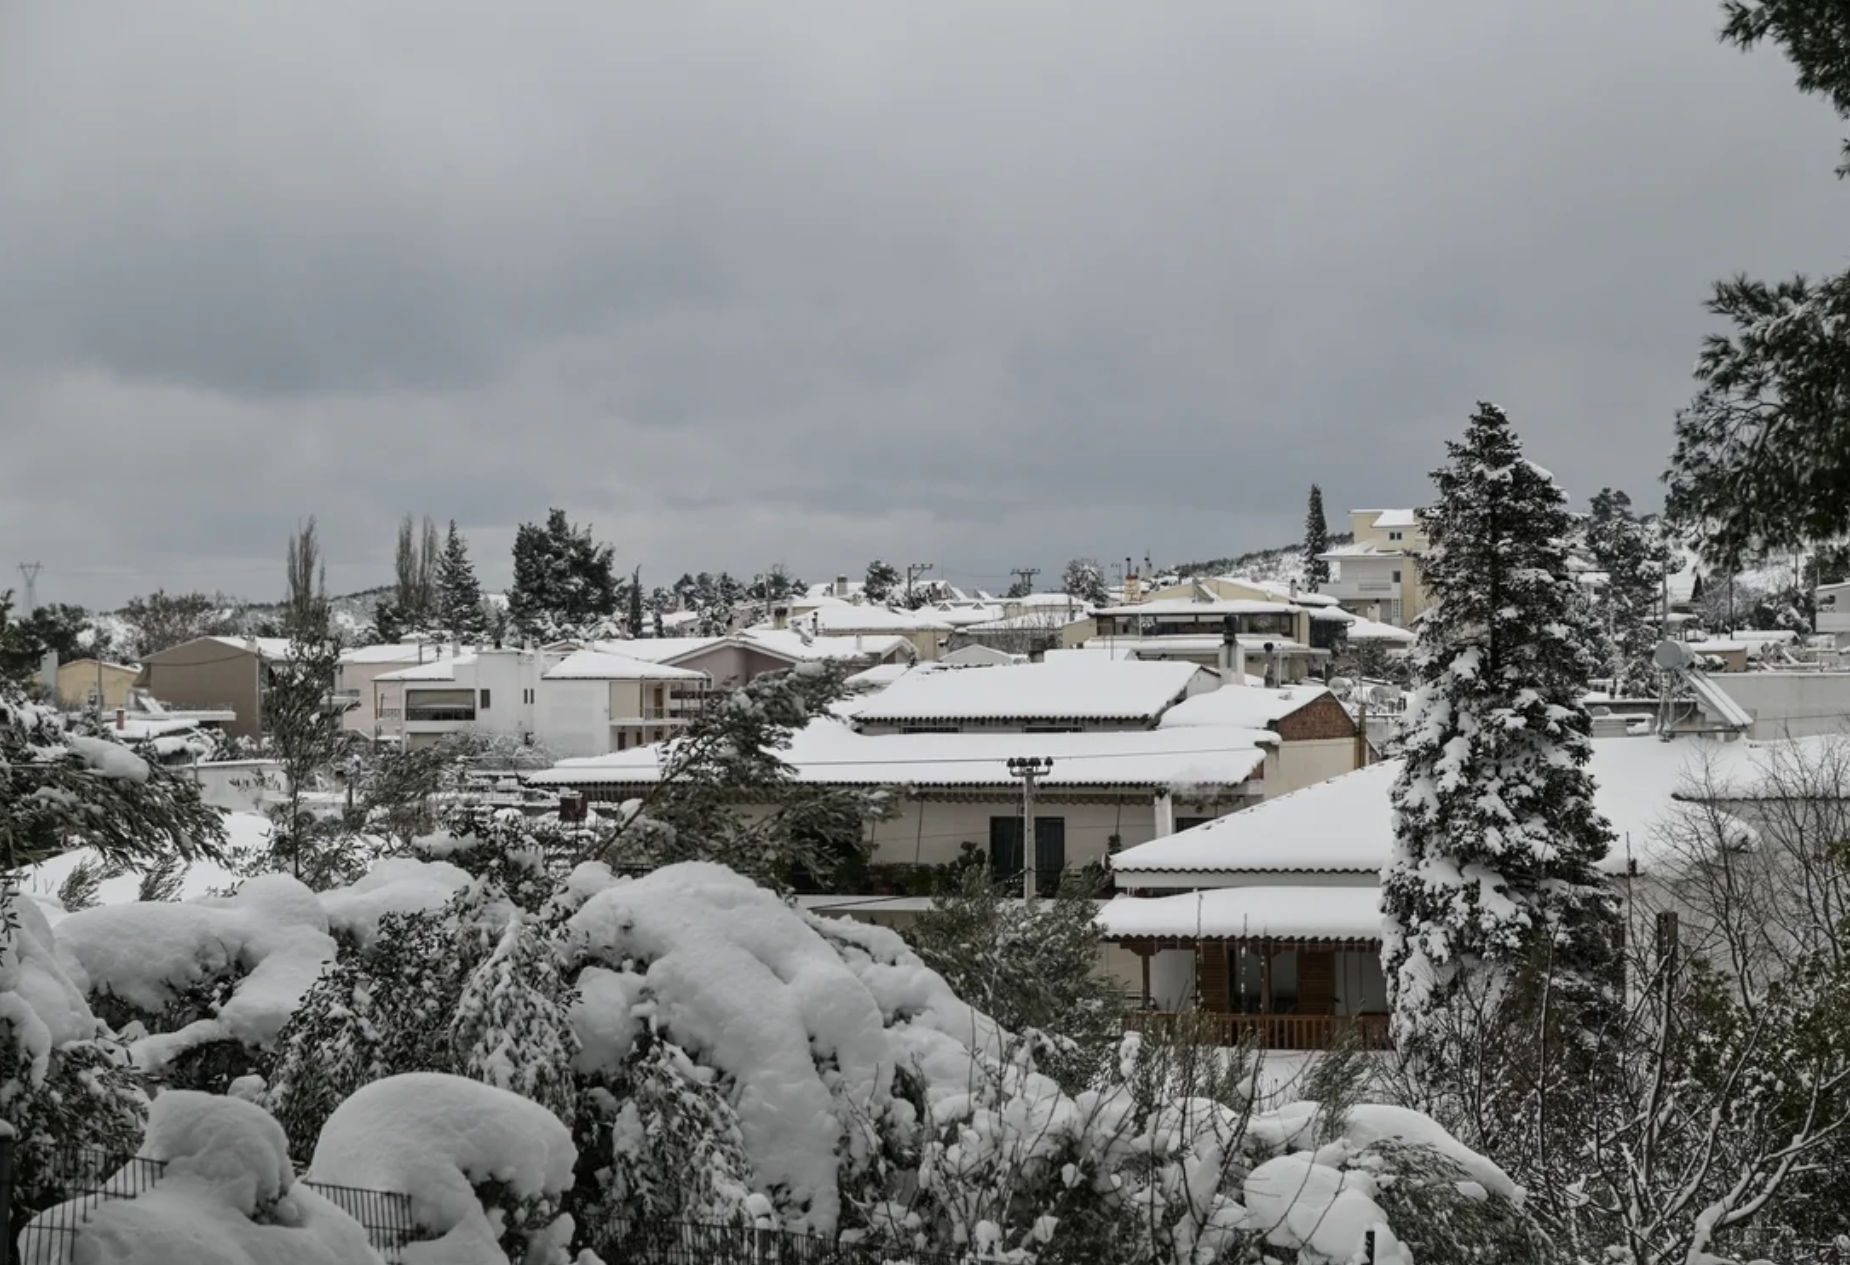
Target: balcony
x=1271, y=1032
x=416, y=715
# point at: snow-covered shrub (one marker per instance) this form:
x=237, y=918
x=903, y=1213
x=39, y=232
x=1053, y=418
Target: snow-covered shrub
x=523, y=857
x=1032, y=968
x=383, y=1009
x=198, y=973
x=62, y=1076
x=510, y=1028
x=227, y=1195
x=485, y=1170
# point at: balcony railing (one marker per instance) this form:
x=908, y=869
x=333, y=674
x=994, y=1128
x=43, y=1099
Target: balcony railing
x=1272, y=1032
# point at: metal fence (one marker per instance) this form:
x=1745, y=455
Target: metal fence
x=704, y=1243
x=81, y=1179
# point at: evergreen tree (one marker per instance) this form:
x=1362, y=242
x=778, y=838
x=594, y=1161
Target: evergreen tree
x=882, y=579
x=304, y=733
x=459, y=594
x=163, y=619
x=1316, y=543
x=510, y=1028
x=1763, y=452
x=1496, y=835
x=1633, y=560
x=635, y=603
x=564, y=582
x=1084, y=579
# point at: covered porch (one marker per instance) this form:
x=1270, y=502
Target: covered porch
x=1286, y=968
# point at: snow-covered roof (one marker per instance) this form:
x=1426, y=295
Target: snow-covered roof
x=598, y=665
x=840, y=617
x=1396, y=518
x=1193, y=606
x=1042, y=619
x=964, y=615
x=1283, y=912
x=391, y=652
x=787, y=643
x=877, y=677
x=830, y=752
x=662, y=649
x=1103, y=690
x=436, y=670
x=1205, y=643
x=266, y=647
x=1346, y=823
x=1374, y=630
x=1241, y=705
x=1363, y=549
x=1283, y=591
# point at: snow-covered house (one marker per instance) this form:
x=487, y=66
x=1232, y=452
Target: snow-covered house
x=954, y=792
x=736, y=658
x=1378, y=574
x=842, y=620
x=1269, y=916
x=85, y=684
x=579, y=702
x=1833, y=606
x=216, y=674
x=360, y=665
x=1034, y=698
x=1272, y=639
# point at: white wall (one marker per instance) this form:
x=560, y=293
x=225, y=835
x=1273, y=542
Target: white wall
x=1791, y=703
x=929, y=832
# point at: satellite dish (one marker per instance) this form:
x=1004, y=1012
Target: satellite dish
x=1672, y=656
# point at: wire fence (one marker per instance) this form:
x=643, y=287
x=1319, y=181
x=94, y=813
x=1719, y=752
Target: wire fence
x=637, y=1242
x=80, y=1179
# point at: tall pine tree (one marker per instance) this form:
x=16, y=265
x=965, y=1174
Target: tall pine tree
x=564, y=582
x=1632, y=557
x=635, y=603
x=1496, y=837
x=459, y=594
x=1316, y=543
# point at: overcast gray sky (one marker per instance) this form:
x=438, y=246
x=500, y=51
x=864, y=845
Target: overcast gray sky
x=979, y=284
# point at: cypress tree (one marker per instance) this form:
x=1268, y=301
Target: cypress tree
x=459, y=593
x=635, y=610
x=1633, y=560
x=1316, y=543
x=1496, y=836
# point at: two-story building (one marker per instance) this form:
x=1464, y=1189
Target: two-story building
x=572, y=701
x=1271, y=640
x=217, y=674
x=1377, y=575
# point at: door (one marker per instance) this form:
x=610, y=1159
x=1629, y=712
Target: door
x=1007, y=861
x=1316, y=982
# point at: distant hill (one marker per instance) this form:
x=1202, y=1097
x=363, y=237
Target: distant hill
x=1284, y=563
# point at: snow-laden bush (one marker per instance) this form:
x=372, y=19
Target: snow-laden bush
x=226, y=1195
x=228, y=970
x=485, y=1169
x=62, y=1075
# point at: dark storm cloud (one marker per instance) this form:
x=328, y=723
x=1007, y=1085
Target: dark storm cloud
x=978, y=284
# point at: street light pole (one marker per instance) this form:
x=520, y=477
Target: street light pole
x=1029, y=769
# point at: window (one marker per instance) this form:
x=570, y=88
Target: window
x=526, y=696
x=1397, y=577
x=1189, y=823
x=1006, y=862
x=623, y=740
x=1393, y=535
x=484, y=703
x=427, y=705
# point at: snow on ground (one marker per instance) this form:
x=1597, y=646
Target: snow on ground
x=200, y=878
x=227, y=1196
x=437, y=1138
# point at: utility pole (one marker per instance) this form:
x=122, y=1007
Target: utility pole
x=30, y=570
x=1028, y=769
x=1024, y=576
x=912, y=569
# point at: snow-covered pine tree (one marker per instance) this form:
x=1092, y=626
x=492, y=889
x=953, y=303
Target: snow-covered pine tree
x=1496, y=836
x=1316, y=543
x=882, y=579
x=564, y=583
x=1084, y=579
x=459, y=593
x=1633, y=560
x=634, y=621
x=510, y=1027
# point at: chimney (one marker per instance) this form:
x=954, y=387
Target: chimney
x=857, y=643
x=841, y=586
x=121, y=718
x=1272, y=673
x=780, y=617
x=1232, y=662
